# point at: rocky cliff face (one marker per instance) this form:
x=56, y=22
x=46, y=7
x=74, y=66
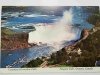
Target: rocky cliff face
x=12, y=41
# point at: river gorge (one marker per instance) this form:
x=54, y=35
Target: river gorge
x=39, y=35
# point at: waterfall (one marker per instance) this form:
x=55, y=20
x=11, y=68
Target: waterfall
x=55, y=34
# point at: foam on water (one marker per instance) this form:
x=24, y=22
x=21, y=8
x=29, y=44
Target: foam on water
x=34, y=15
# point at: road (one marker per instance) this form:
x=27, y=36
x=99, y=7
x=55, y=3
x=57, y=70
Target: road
x=44, y=64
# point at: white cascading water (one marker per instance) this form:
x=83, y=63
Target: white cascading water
x=56, y=33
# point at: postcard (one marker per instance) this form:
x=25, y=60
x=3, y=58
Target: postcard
x=50, y=39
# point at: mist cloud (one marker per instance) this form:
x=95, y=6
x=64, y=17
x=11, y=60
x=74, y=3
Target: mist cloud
x=56, y=33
